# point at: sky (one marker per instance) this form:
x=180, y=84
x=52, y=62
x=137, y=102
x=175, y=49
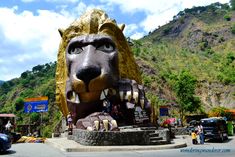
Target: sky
x=29, y=28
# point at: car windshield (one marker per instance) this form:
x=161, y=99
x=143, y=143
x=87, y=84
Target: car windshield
x=208, y=123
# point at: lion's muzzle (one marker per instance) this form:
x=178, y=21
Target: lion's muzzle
x=86, y=74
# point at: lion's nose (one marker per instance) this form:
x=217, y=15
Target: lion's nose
x=88, y=73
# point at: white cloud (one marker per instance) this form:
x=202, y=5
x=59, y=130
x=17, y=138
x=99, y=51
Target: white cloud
x=26, y=28
x=29, y=38
x=154, y=20
x=129, y=29
x=137, y=35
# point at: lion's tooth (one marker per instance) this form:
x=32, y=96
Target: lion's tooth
x=114, y=123
x=102, y=96
x=97, y=124
x=77, y=98
x=74, y=95
x=106, y=92
x=142, y=103
x=106, y=124
x=89, y=128
x=121, y=93
x=128, y=95
x=135, y=96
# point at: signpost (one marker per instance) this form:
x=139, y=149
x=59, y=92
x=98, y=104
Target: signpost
x=164, y=111
x=38, y=104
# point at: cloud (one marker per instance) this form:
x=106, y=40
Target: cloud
x=129, y=29
x=28, y=39
x=154, y=20
x=137, y=35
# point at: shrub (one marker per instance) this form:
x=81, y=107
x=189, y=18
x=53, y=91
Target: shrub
x=167, y=29
x=233, y=28
x=227, y=17
x=47, y=131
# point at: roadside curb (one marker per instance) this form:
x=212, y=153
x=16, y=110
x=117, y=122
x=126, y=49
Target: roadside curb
x=71, y=146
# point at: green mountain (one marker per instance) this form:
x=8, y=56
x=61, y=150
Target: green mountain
x=200, y=40
x=38, y=82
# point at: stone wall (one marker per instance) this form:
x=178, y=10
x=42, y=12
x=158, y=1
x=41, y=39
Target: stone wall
x=180, y=131
x=97, y=138
x=164, y=133
x=124, y=137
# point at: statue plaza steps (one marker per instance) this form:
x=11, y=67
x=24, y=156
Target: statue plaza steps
x=127, y=135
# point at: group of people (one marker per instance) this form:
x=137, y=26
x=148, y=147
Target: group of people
x=196, y=133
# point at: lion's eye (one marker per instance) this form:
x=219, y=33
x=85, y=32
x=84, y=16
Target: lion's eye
x=107, y=47
x=75, y=50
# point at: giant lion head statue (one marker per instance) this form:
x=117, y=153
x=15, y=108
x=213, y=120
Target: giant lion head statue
x=93, y=57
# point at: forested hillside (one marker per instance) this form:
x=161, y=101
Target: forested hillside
x=38, y=82
x=200, y=41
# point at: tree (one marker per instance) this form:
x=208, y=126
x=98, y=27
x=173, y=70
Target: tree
x=35, y=117
x=25, y=74
x=37, y=68
x=184, y=88
x=232, y=3
x=19, y=104
x=220, y=112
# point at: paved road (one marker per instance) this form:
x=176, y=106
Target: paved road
x=209, y=149
x=32, y=150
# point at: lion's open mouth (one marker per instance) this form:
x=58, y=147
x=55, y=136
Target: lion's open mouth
x=76, y=98
x=91, y=115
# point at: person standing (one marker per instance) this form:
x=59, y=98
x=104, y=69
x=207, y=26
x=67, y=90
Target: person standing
x=8, y=127
x=70, y=123
x=194, y=137
x=201, y=133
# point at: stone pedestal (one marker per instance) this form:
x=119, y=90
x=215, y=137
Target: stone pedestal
x=134, y=136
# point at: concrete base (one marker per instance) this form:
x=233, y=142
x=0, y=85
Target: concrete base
x=71, y=146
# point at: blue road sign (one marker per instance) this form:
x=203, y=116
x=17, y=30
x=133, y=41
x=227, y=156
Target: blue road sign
x=36, y=106
x=164, y=111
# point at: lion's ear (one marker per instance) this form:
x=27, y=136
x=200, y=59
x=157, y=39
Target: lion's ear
x=61, y=31
x=122, y=26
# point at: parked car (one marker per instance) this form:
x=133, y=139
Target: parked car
x=5, y=142
x=215, y=128
x=192, y=126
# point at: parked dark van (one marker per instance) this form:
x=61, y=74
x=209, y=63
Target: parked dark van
x=215, y=128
